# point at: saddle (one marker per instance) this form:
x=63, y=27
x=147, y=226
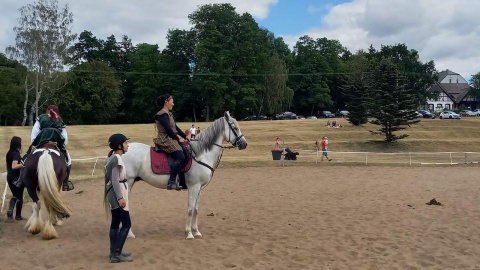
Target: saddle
x=160, y=161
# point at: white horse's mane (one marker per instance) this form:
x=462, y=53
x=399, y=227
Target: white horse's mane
x=205, y=140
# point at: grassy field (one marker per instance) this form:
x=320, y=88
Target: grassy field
x=430, y=135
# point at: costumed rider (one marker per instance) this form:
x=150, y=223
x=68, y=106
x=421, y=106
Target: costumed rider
x=49, y=128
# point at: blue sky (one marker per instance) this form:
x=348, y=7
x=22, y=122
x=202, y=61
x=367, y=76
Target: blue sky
x=448, y=33
x=293, y=17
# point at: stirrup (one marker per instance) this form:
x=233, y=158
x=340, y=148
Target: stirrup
x=176, y=187
x=68, y=186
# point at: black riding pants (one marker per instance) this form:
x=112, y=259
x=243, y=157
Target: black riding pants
x=178, y=156
x=120, y=216
x=16, y=192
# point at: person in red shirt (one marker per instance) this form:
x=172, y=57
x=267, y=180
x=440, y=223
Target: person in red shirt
x=324, y=149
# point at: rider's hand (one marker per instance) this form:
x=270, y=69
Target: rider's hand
x=122, y=203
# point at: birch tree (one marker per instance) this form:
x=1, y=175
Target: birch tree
x=42, y=39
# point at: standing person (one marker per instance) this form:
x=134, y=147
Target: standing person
x=13, y=159
x=324, y=149
x=116, y=194
x=168, y=139
x=198, y=130
x=49, y=127
x=193, y=131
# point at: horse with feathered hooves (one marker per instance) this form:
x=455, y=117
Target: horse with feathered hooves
x=206, y=150
x=43, y=174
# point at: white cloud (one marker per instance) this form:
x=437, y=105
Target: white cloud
x=141, y=20
x=447, y=32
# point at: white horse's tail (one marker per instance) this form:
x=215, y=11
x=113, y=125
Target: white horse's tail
x=106, y=206
x=49, y=187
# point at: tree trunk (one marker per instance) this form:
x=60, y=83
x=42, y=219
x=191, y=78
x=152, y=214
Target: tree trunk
x=37, y=96
x=25, y=103
x=208, y=113
x=194, y=114
x=30, y=116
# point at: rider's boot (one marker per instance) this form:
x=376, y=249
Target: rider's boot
x=181, y=180
x=174, y=169
x=68, y=185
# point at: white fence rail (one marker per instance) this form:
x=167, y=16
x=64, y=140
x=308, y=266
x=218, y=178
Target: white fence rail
x=404, y=158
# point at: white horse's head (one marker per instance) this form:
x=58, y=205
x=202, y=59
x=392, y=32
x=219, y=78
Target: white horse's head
x=232, y=132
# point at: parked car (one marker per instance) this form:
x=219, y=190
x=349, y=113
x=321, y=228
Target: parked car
x=327, y=114
x=300, y=117
x=477, y=112
x=427, y=114
x=285, y=115
x=312, y=117
x=254, y=118
x=449, y=115
x=467, y=113
x=343, y=114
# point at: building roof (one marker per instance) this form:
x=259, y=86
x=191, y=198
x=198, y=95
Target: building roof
x=456, y=91
x=445, y=73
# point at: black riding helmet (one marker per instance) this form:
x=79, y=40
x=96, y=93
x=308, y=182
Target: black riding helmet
x=116, y=140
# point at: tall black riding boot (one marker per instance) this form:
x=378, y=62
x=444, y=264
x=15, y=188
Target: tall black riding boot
x=18, y=208
x=117, y=256
x=172, y=182
x=113, y=241
x=181, y=180
x=68, y=185
x=13, y=201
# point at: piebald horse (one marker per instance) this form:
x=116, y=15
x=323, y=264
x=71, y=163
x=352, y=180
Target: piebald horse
x=43, y=175
x=207, y=152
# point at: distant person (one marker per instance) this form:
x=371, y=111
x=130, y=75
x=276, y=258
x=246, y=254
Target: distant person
x=198, y=131
x=193, y=131
x=13, y=160
x=278, y=146
x=325, y=149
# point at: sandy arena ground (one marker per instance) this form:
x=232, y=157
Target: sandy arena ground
x=275, y=218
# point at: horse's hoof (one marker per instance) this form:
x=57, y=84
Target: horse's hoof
x=198, y=234
x=190, y=236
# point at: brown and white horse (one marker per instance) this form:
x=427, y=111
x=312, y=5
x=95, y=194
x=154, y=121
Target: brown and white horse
x=43, y=175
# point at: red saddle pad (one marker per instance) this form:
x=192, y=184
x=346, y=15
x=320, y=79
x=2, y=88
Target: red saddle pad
x=159, y=162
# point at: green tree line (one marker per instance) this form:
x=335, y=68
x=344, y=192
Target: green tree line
x=225, y=61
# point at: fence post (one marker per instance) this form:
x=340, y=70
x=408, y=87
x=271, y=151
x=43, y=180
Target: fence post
x=451, y=161
x=465, y=157
x=366, y=159
x=410, y=157
x=93, y=171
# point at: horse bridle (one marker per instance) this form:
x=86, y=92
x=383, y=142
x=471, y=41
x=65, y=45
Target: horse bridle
x=234, y=145
x=237, y=138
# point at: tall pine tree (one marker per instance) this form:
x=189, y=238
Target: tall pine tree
x=391, y=105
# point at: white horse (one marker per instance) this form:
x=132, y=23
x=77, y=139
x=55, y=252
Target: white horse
x=207, y=151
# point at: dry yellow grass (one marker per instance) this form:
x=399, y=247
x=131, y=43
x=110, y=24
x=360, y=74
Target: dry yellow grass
x=428, y=136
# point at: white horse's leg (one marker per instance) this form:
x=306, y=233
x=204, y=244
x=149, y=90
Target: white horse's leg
x=35, y=224
x=195, y=230
x=130, y=186
x=192, y=197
